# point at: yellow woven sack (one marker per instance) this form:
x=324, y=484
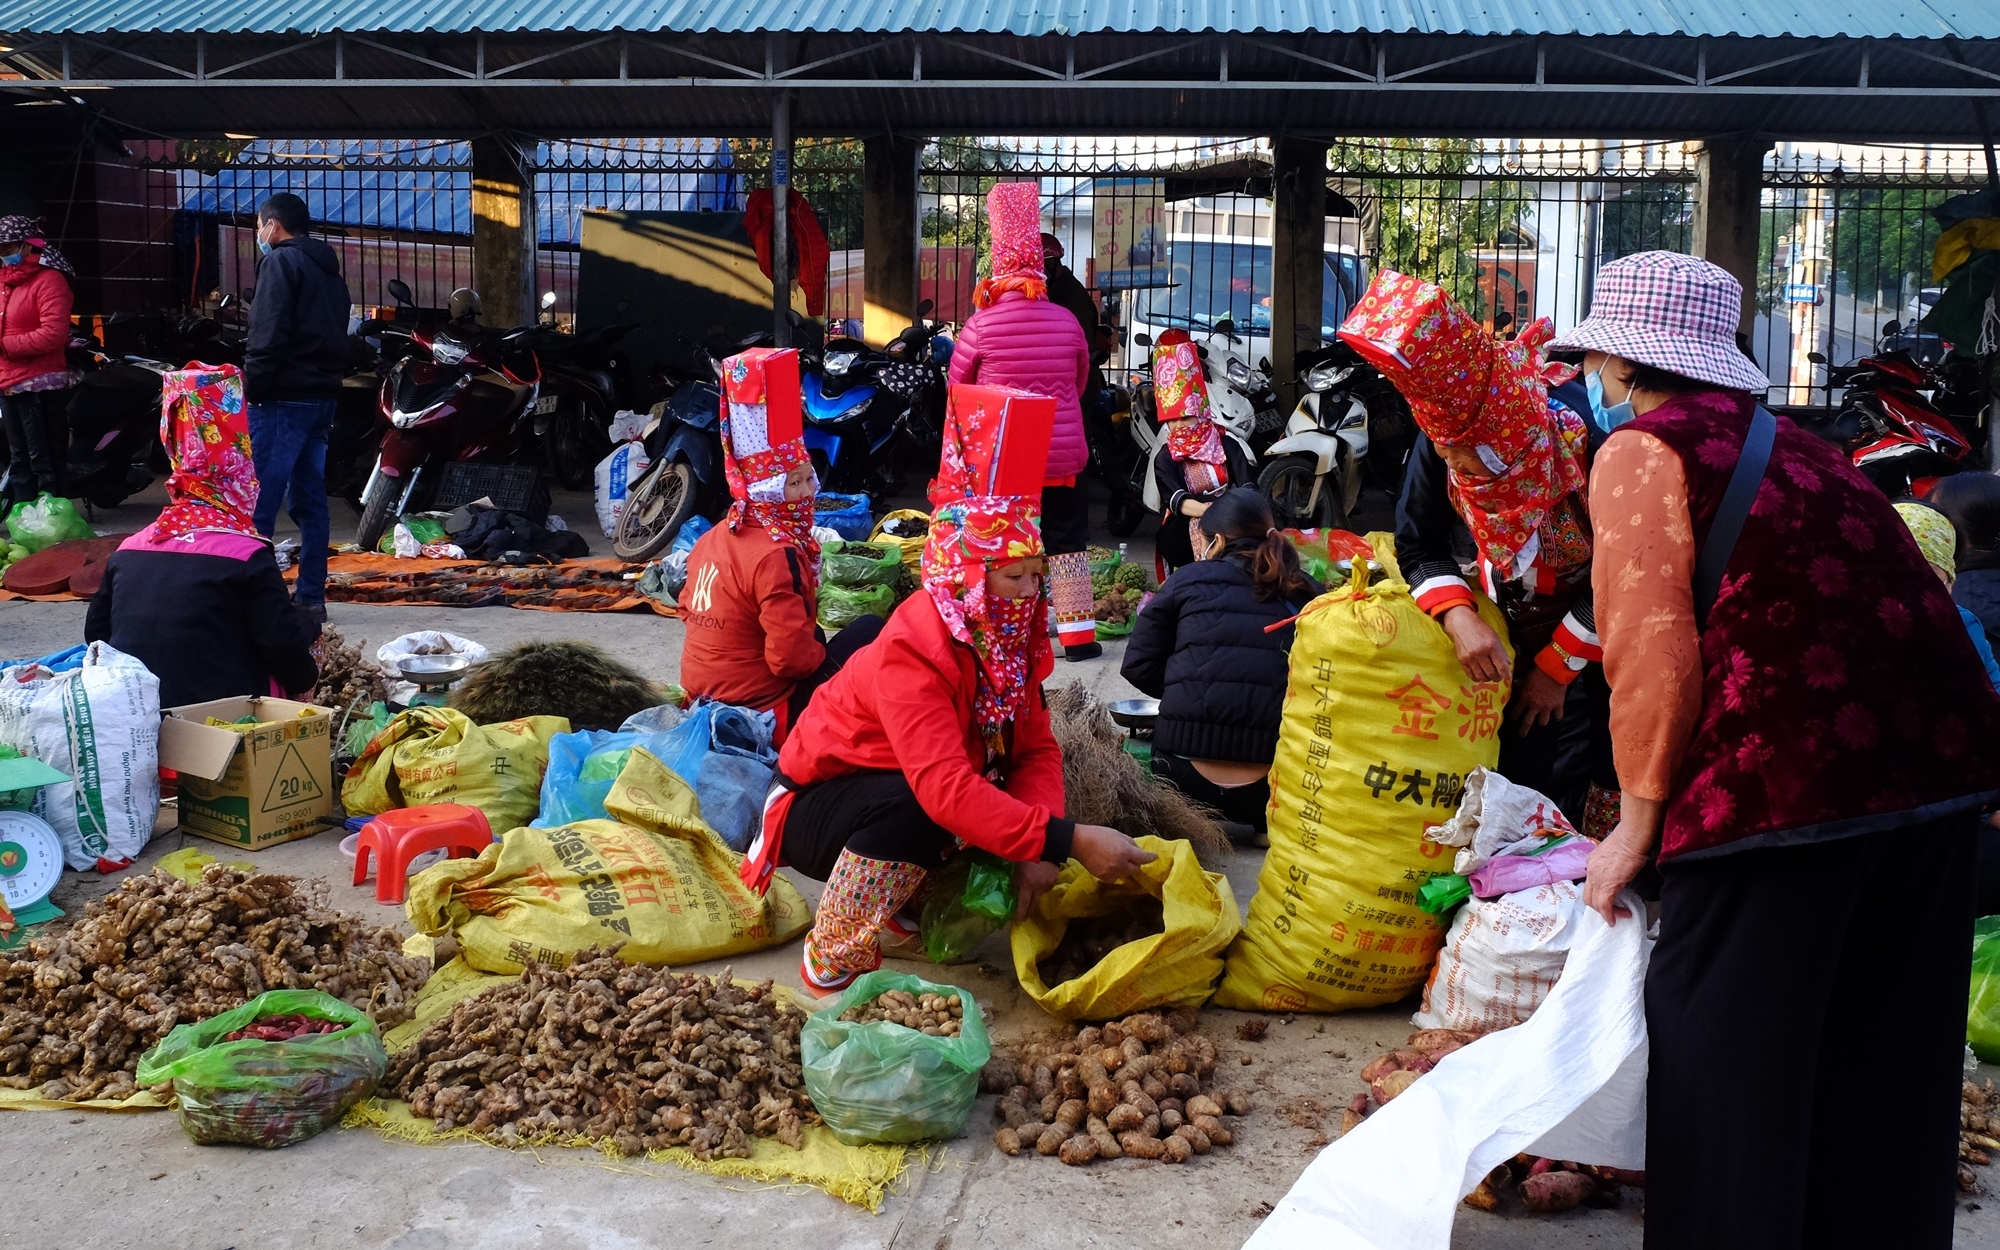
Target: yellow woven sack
x=912, y=548
x=1177, y=968
x=653, y=877
x=437, y=755
x=1380, y=728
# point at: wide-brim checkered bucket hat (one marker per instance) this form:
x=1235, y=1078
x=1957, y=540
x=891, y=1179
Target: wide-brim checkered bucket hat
x=1672, y=312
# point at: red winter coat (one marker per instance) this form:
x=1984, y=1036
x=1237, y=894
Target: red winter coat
x=749, y=607
x=904, y=704
x=808, y=242
x=1031, y=345
x=34, y=322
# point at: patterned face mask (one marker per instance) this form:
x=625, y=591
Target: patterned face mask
x=967, y=538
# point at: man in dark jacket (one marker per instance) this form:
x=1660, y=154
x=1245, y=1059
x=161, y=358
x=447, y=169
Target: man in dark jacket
x=292, y=369
x=1066, y=291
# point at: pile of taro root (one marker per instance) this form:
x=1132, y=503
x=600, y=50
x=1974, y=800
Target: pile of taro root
x=1140, y=1086
x=1546, y=1185
x=639, y=1056
x=77, y=1009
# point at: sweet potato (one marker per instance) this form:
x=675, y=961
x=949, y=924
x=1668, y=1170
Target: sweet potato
x=1482, y=1197
x=1549, y=1192
x=1379, y=1067
x=1393, y=1084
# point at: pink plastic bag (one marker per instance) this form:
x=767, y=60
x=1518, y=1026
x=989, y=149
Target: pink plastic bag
x=1504, y=874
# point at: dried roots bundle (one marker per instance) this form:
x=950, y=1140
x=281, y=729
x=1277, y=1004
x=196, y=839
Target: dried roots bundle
x=1105, y=786
x=347, y=678
x=1978, y=1131
x=642, y=1056
x=1140, y=1086
x=79, y=1008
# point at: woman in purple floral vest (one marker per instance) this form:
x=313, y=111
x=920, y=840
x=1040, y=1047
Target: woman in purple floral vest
x=1807, y=763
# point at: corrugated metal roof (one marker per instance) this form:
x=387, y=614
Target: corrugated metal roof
x=1879, y=19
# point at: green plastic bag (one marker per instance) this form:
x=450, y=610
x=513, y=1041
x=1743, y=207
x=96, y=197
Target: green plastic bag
x=841, y=606
x=422, y=528
x=856, y=565
x=267, y=1094
x=881, y=1082
x=1982, y=1009
x=45, y=521
x=973, y=899
x=362, y=728
x=1440, y=894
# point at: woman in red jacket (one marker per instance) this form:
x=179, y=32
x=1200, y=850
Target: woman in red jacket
x=1018, y=338
x=937, y=735
x=752, y=591
x=35, y=377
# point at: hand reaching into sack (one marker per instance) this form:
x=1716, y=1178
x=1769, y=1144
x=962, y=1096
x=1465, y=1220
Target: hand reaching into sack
x=1108, y=854
x=1621, y=855
x=1481, y=653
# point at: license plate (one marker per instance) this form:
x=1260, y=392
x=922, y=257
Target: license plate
x=545, y=405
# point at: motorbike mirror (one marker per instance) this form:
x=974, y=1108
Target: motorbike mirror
x=924, y=307
x=229, y=301
x=1817, y=358
x=399, y=291
x=1501, y=320
x=1202, y=350
x=1226, y=326
x=1143, y=339
x=548, y=299
x=1891, y=327
x=1264, y=363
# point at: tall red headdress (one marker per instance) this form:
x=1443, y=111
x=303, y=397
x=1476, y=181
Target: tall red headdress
x=763, y=439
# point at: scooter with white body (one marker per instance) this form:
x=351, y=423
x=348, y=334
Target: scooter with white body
x=1313, y=474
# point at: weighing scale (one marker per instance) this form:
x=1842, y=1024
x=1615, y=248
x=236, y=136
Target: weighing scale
x=31, y=858
x=433, y=676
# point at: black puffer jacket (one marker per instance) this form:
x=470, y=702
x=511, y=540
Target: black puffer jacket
x=297, y=349
x=1978, y=592
x=1200, y=648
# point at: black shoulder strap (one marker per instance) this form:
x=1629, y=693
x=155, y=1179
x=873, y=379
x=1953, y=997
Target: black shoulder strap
x=1728, y=524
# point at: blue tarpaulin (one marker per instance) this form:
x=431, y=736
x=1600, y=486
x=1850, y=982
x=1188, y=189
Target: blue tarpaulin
x=426, y=186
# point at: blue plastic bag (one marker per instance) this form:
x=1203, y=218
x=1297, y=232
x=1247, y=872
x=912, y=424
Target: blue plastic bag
x=846, y=515
x=582, y=767
x=691, y=529
x=725, y=753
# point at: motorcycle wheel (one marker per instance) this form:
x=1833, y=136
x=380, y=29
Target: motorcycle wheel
x=1288, y=483
x=574, y=445
x=375, y=511
x=659, y=505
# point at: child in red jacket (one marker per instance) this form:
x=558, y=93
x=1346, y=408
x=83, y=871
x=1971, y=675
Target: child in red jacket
x=937, y=735
x=752, y=591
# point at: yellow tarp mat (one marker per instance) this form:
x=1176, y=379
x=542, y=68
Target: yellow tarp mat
x=32, y=1100
x=1175, y=968
x=1380, y=728
x=861, y=1175
x=653, y=877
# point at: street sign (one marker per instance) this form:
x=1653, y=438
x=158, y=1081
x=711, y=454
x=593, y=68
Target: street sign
x=1803, y=293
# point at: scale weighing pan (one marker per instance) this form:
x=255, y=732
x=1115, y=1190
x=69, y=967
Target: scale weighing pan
x=432, y=670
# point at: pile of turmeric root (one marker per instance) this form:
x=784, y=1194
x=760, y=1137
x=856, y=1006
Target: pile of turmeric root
x=78, y=1008
x=641, y=1057
x=1139, y=1087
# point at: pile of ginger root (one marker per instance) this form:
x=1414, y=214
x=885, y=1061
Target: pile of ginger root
x=1139, y=1087
x=78, y=1008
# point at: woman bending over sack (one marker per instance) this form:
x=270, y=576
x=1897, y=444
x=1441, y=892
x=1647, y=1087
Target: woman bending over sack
x=1500, y=467
x=196, y=596
x=936, y=736
x=1205, y=649
x=752, y=596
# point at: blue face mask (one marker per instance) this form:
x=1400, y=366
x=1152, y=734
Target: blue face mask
x=263, y=248
x=13, y=258
x=1608, y=419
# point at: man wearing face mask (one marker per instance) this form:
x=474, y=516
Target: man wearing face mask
x=292, y=367
x=1497, y=476
x=35, y=378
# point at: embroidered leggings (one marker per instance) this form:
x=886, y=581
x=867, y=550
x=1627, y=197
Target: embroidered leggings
x=869, y=839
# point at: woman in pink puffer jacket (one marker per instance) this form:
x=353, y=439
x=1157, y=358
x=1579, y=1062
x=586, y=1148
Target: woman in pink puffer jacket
x=1018, y=338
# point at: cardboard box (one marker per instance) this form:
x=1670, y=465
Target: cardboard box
x=253, y=787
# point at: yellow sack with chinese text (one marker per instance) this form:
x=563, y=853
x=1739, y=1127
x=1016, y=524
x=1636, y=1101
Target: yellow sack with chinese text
x=653, y=877
x=1174, y=968
x=1380, y=728
x=432, y=755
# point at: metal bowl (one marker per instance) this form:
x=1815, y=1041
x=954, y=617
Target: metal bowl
x=1135, y=713
x=432, y=669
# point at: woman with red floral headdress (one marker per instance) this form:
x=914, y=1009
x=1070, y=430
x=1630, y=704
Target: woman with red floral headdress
x=936, y=735
x=196, y=596
x=1196, y=463
x=752, y=595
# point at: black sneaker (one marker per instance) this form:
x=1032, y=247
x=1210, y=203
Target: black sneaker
x=1088, y=651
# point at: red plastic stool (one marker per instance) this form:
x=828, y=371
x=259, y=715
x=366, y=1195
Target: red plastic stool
x=400, y=836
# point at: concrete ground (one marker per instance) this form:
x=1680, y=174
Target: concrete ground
x=116, y=1181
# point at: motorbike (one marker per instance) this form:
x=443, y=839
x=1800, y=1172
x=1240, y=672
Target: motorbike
x=684, y=445
x=1314, y=475
x=582, y=388
x=1888, y=425
x=1138, y=494
x=861, y=404
x=465, y=393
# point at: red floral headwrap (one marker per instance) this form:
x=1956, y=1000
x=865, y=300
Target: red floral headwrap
x=1180, y=400
x=213, y=486
x=763, y=441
